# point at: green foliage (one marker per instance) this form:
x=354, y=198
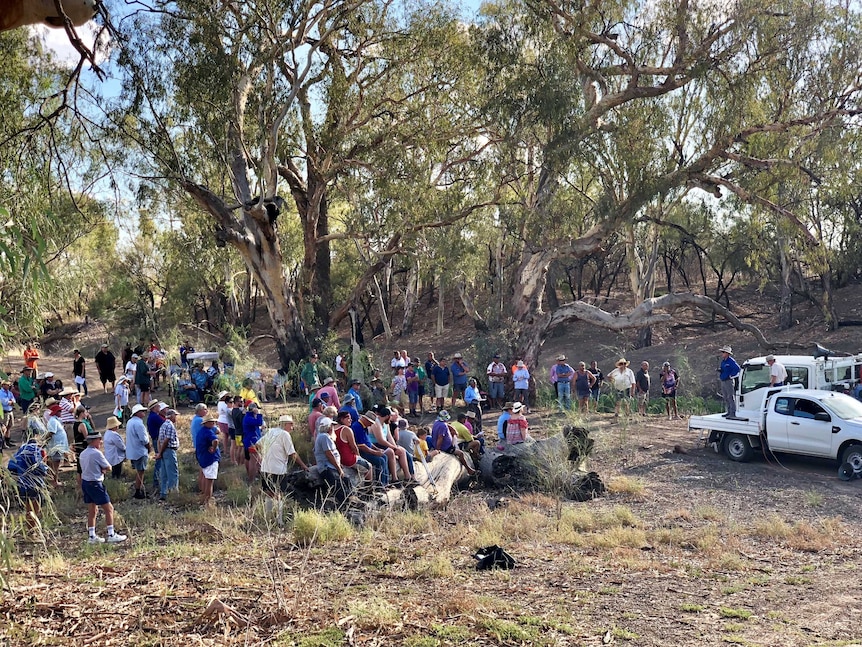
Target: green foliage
x=316, y=528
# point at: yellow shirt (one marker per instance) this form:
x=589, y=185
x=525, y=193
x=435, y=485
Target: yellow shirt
x=420, y=449
x=464, y=434
x=249, y=394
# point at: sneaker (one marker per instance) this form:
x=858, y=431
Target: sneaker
x=96, y=540
x=116, y=538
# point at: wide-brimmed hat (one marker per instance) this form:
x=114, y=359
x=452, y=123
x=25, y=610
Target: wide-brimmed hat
x=470, y=414
x=138, y=408
x=50, y=402
x=26, y=368
x=221, y=394
x=285, y=418
x=561, y=358
x=153, y=404
x=726, y=349
x=123, y=378
x=508, y=405
x=328, y=380
x=113, y=423
x=93, y=435
x=443, y=415
x=516, y=407
x=210, y=418
x=68, y=391
x=34, y=406
x=48, y=374
x=348, y=399
x=622, y=360
x=457, y=356
x=5, y=382
x=521, y=364
x=770, y=358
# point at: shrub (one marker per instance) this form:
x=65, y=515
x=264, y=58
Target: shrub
x=311, y=527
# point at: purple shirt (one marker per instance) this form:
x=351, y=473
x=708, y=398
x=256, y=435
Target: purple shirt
x=441, y=430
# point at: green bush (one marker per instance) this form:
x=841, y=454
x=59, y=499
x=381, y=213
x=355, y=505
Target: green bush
x=312, y=527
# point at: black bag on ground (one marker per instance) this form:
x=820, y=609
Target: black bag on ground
x=492, y=557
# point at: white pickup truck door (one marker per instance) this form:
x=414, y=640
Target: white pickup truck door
x=805, y=435
x=777, y=421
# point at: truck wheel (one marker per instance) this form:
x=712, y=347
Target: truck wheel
x=853, y=455
x=737, y=448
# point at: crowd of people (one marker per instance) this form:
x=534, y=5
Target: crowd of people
x=351, y=424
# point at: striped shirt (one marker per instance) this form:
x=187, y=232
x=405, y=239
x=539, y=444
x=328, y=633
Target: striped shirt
x=169, y=432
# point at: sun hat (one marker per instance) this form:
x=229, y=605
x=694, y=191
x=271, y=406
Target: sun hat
x=443, y=415
x=327, y=381
x=50, y=402
x=516, y=407
x=138, y=408
x=521, y=363
x=622, y=360
x=348, y=399
x=210, y=418
x=726, y=349
x=770, y=358
x=93, y=435
x=55, y=409
x=561, y=358
x=68, y=391
x=153, y=404
x=113, y=423
x=222, y=394
x=470, y=414
x=170, y=412
x=508, y=405
x=285, y=418
x=457, y=356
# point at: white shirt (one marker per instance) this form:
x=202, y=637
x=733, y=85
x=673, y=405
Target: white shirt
x=497, y=371
x=623, y=380
x=778, y=372
x=130, y=370
x=276, y=449
x=398, y=361
x=115, y=448
x=339, y=364
x=121, y=394
x=223, y=412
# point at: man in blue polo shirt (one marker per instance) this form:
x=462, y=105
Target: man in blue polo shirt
x=374, y=455
x=442, y=376
x=459, y=377
x=728, y=372
x=354, y=391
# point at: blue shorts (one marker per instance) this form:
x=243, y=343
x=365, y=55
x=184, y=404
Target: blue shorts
x=95, y=492
x=140, y=464
x=496, y=390
x=30, y=494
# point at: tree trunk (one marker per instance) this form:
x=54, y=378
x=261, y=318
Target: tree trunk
x=381, y=305
x=411, y=297
x=441, y=304
x=785, y=294
x=469, y=306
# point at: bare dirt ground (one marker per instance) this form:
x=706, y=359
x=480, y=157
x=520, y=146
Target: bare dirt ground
x=687, y=548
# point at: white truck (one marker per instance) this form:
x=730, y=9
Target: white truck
x=809, y=416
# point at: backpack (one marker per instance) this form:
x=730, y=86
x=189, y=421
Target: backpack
x=492, y=557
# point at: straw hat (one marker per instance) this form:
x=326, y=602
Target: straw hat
x=112, y=423
x=622, y=361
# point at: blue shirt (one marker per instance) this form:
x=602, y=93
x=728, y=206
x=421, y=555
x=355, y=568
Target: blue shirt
x=357, y=400
x=154, y=423
x=441, y=375
x=322, y=443
x=459, y=373
x=28, y=466
x=729, y=368
x=501, y=424
x=354, y=414
x=137, y=439
x=197, y=423
x=251, y=424
x=360, y=434
x=203, y=442
x=471, y=394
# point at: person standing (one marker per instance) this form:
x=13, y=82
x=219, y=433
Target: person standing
x=106, y=364
x=564, y=374
x=309, y=374
x=142, y=380
x=413, y=384
x=26, y=388
x=496, y=373
x=94, y=466
x=138, y=447
x=430, y=363
x=474, y=401
x=121, y=398
x=521, y=382
x=583, y=387
x=728, y=371
x=7, y=401
x=31, y=357
x=115, y=447
x=79, y=371
x=442, y=377
x=459, y=377
x=623, y=380
x=596, y=389
x=169, y=444
x=642, y=384
x=251, y=424
x=340, y=370
x=208, y=456
x=669, y=384
x=777, y=372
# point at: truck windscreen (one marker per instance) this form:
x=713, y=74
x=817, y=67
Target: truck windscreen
x=754, y=376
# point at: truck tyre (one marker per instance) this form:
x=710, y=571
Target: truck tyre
x=853, y=455
x=737, y=448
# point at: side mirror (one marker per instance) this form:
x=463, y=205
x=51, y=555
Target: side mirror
x=822, y=416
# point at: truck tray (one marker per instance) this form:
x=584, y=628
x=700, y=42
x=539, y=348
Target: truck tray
x=717, y=422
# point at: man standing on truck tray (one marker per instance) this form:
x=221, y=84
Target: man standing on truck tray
x=777, y=372
x=728, y=372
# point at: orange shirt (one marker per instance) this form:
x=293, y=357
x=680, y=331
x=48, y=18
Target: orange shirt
x=30, y=357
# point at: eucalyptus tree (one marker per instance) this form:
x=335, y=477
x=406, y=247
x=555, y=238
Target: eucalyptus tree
x=243, y=104
x=572, y=86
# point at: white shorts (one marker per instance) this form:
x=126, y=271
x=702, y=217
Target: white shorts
x=211, y=472
x=441, y=391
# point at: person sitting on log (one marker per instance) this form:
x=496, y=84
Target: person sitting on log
x=441, y=438
x=384, y=440
x=345, y=442
x=469, y=419
x=316, y=414
x=466, y=441
x=329, y=464
x=516, y=427
x=502, y=421
x=378, y=458
x=421, y=448
x=349, y=405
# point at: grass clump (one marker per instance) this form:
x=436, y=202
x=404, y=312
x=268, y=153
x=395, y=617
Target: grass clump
x=628, y=486
x=740, y=614
x=432, y=567
x=329, y=637
x=373, y=612
x=452, y=633
x=312, y=527
x=690, y=607
x=506, y=631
